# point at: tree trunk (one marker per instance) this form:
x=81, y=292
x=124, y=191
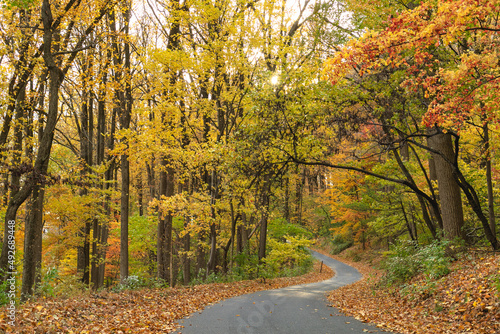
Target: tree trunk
x=83, y=258
x=32, y=248
x=449, y=190
x=124, y=101
x=213, y=183
x=164, y=232
x=212, y=258
x=200, y=255
x=186, y=261
x=15, y=200
x=100, y=226
x=33, y=243
x=140, y=196
x=287, y=199
x=408, y=225
x=164, y=237
x=109, y=176
x=299, y=190
x=489, y=182
x=124, y=206
x=266, y=190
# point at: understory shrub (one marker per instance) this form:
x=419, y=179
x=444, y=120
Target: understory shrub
x=134, y=282
x=4, y=297
x=280, y=229
x=406, y=260
x=289, y=257
x=70, y=286
x=48, y=282
x=340, y=243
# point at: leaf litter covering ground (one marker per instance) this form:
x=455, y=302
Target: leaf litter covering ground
x=139, y=311
x=465, y=301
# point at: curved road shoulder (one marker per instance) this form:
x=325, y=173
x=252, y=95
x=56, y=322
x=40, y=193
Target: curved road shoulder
x=296, y=309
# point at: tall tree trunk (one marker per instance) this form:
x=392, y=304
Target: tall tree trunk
x=200, y=255
x=449, y=190
x=15, y=106
x=214, y=196
x=14, y=204
x=35, y=182
x=33, y=238
x=266, y=190
x=123, y=106
x=489, y=182
x=99, y=224
x=186, y=261
x=83, y=257
x=164, y=232
x=164, y=236
x=126, y=112
x=109, y=176
x=32, y=248
x=140, y=196
x=186, y=187
x=287, y=199
x=299, y=189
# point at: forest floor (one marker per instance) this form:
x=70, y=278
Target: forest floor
x=467, y=300
x=137, y=311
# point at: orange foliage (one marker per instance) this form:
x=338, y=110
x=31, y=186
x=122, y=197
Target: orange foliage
x=450, y=51
x=345, y=192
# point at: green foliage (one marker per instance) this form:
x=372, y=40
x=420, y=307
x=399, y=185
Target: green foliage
x=279, y=228
x=10, y=4
x=49, y=280
x=284, y=259
x=435, y=261
x=290, y=254
x=406, y=260
x=135, y=282
x=69, y=286
x=422, y=290
x=247, y=266
x=232, y=276
x=178, y=223
x=142, y=236
x=353, y=255
x=495, y=281
x=4, y=296
x=340, y=243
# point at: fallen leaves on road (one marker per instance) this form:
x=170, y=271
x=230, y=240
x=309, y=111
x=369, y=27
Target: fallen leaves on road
x=139, y=311
x=465, y=301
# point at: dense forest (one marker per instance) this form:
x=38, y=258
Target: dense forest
x=174, y=141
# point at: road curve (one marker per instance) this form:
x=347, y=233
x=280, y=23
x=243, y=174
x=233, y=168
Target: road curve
x=296, y=309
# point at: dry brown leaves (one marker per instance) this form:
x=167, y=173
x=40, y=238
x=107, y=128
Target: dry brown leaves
x=465, y=301
x=140, y=311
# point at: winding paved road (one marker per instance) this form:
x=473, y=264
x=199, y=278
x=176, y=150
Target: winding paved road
x=299, y=309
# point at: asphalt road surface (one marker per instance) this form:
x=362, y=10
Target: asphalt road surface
x=299, y=309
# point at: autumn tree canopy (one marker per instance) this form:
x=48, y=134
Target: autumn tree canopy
x=180, y=140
